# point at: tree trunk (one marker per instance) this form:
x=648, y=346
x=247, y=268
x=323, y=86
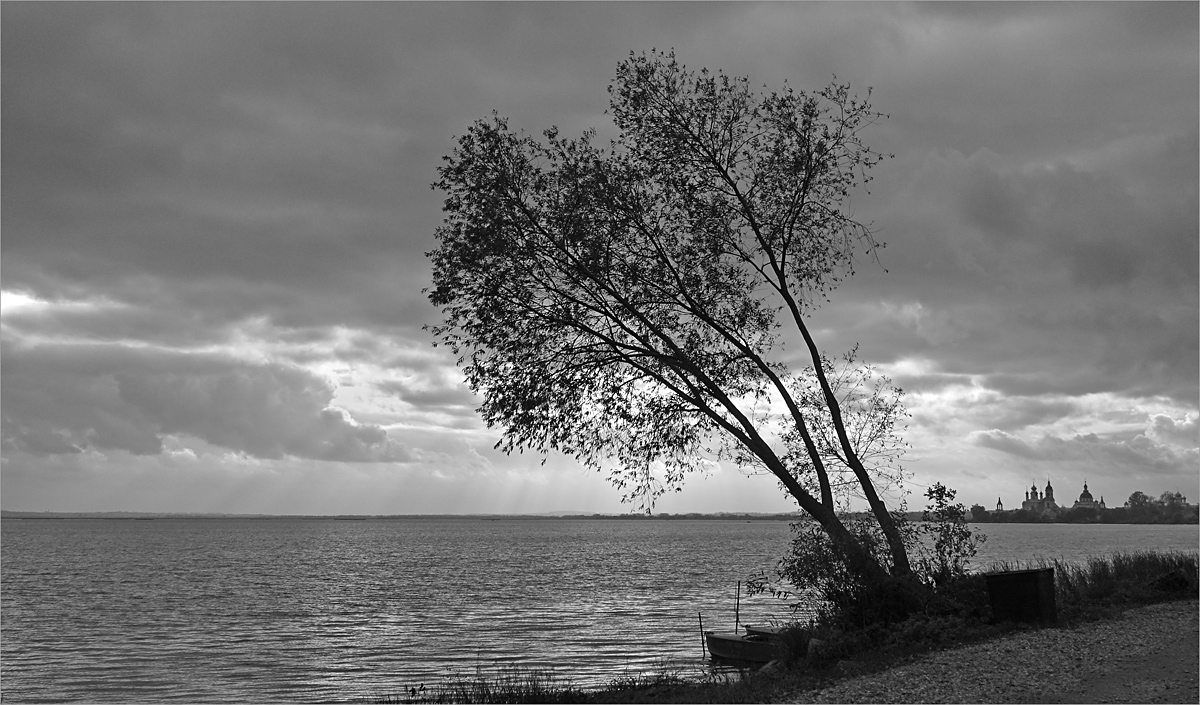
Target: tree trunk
x=854, y=551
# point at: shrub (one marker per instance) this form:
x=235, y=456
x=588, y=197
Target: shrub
x=954, y=544
x=849, y=596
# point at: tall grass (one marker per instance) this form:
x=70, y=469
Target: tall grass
x=512, y=685
x=517, y=685
x=1104, y=583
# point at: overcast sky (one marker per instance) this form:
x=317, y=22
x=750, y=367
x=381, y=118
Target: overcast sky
x=215, y=217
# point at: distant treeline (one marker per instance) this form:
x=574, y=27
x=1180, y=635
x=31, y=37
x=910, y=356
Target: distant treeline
x=722, y=516
x=1168, y=508
x=725, y=516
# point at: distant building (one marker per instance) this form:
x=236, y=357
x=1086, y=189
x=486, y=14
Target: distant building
x=1040, y=503
x=1085, y=500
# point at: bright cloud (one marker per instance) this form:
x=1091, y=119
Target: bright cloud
x=74, y=397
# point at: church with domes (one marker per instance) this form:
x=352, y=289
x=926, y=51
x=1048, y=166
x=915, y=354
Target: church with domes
x=1086, y=501
x=1043, y=502
x=1040, y=503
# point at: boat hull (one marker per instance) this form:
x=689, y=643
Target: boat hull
x=742, y=647
x=768, y=632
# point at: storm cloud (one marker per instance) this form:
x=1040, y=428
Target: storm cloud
x=68, y=398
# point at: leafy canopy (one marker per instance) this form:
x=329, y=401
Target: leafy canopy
x=624, y=304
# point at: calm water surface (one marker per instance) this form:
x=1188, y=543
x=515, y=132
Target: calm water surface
x=223, y=610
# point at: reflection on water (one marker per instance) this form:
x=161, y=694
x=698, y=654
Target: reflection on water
x=320, y=610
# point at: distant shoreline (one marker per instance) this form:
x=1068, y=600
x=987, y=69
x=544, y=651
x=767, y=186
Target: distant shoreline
x=720, y=516
x=693, y=516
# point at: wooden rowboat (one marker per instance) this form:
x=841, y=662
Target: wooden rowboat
x=769, y=632
x=743, y=647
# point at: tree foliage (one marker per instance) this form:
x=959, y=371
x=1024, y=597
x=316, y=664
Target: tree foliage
x=845, y=592
x=628, y=305
x=816, y=572
x=944, y=522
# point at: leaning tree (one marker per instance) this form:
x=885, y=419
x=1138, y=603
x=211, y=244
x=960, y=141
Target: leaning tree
x=628, y=306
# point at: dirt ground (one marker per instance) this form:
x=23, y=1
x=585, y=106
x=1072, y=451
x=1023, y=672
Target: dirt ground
x=1168, y=673
x=1148, y=654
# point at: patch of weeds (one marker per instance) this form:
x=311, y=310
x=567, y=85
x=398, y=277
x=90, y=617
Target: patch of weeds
x=1104, y=586
x=512, y=685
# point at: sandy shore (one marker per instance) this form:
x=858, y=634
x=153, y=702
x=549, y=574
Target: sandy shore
x=1148, y=655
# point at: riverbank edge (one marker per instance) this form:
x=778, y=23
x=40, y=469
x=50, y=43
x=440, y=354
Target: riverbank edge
x=1056, y=664
x=1121, y=658
x=1104, y=658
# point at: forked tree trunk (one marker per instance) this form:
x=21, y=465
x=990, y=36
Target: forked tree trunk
x=900, y=563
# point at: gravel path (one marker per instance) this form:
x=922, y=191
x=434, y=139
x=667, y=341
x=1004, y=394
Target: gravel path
x=1148, y=655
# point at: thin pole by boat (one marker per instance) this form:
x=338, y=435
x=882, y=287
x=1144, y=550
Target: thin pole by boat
x=737, y=608
x=703, y=648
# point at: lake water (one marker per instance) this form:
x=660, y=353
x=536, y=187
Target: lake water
x=224, y=610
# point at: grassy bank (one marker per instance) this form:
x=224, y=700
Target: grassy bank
x=538, y=686
x=958, y=614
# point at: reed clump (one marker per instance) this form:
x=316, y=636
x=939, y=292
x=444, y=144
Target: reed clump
x=511, y=685
x=1105, y=584
x=519, y=685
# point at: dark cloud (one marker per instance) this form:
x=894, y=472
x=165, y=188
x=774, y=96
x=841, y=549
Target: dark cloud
x=1045, y=280
x=204, y=152
x=1018, y=413
x=928, y=382
x=449, y=397
x=68, y=398
x=1110, y=456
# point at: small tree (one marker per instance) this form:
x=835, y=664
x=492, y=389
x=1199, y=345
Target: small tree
x=1140, y=506
x=1138, y=500
x=626, y=306
x=954, y=544
x=814, y=572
